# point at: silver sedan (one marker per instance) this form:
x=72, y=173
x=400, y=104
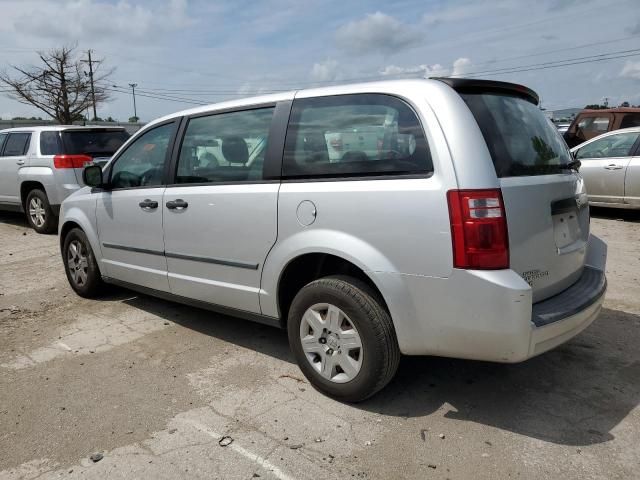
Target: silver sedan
x=611, y=168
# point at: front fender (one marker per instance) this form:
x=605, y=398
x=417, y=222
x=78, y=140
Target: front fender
x=80, y=209
x=338, y=243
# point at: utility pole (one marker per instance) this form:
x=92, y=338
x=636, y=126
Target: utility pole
x=93, y=93
x=133, y=92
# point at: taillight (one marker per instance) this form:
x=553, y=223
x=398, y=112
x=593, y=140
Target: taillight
x=71, y=161
x=478, y=229
x=336, y=143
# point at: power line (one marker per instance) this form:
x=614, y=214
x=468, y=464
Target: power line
x=158, y=97
x=221, y=90
x=163, y=97
x=552, y=62
x=514, y=69
x=208, y=92
x=501, y=60
x=522, y=68
x=525, y=69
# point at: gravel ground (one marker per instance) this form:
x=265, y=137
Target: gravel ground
x=161, y=390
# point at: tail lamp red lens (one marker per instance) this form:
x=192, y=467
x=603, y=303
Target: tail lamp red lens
x=478, y=229
x=71, y=161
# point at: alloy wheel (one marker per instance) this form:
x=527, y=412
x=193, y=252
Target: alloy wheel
x=77, y=263
x=37, y=212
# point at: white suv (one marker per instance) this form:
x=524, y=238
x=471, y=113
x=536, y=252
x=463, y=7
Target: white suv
x=41, y=166
x=463, y=231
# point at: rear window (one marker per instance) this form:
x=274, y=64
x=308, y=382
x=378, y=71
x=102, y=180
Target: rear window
x=630, y=120
x=50, y=143
x=97, y=143
x=520, y=139
x=354, y=135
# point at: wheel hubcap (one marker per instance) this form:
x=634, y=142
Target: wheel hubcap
x=37, y=212
x=331, y=343
x=77, y=263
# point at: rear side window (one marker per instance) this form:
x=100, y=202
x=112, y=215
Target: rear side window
x=354, y=135
x=630, y=120
x=596, y=125
x=50, y=143
x=17, y=144
x=619, y=145
x=3, y=137
x=520, y=138
x=225, y=147
x=96, y=143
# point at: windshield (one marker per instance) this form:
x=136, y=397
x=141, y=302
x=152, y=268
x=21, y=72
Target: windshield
x=103, y=143
x=520, y=138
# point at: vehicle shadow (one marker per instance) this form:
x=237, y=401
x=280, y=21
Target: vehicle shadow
x=13, y=218
x=574, y=395
x=615, y=214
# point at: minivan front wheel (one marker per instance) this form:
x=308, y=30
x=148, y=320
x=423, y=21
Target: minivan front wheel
x=80, y=265
x=343, y=338
x=39, y=213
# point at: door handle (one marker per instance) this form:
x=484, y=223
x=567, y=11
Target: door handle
x=148, y=204
x=613, y=166
x=177, y=204
x=20, y=162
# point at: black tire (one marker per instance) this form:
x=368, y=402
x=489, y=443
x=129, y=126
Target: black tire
x=92, y=285
x=50, y=223
x=364, y=310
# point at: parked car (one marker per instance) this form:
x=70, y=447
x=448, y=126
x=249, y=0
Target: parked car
x=611, y=168
x=562, y=127
x=41, y=166
x=591, y=123
x=474, y=243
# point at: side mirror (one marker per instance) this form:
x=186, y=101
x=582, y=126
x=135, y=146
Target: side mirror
x=92, y=176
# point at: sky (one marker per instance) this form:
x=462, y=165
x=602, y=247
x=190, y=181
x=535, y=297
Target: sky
x=200, y=51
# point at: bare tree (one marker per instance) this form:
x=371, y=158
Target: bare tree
x=59, y=86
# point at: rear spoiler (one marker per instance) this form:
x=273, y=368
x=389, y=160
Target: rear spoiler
x=471, y=85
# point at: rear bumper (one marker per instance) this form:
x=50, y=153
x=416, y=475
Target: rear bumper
x=561, y=317
x=550, y=336
x=489, y=315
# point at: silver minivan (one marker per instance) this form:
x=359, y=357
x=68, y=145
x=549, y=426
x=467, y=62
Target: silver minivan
x=461, y=231
x=41, y=166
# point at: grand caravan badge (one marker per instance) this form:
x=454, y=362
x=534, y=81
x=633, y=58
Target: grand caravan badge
x=530, y=276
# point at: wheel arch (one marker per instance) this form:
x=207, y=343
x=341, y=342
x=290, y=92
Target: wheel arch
x=74, y=217
x=65, y=229
x=307, y=267
x=26, y=187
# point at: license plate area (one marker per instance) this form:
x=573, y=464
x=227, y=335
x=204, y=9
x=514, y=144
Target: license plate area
x=566, y=225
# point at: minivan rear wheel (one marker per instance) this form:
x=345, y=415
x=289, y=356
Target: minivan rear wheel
x=39, y=213
x=343, y=338
x=80, y=265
